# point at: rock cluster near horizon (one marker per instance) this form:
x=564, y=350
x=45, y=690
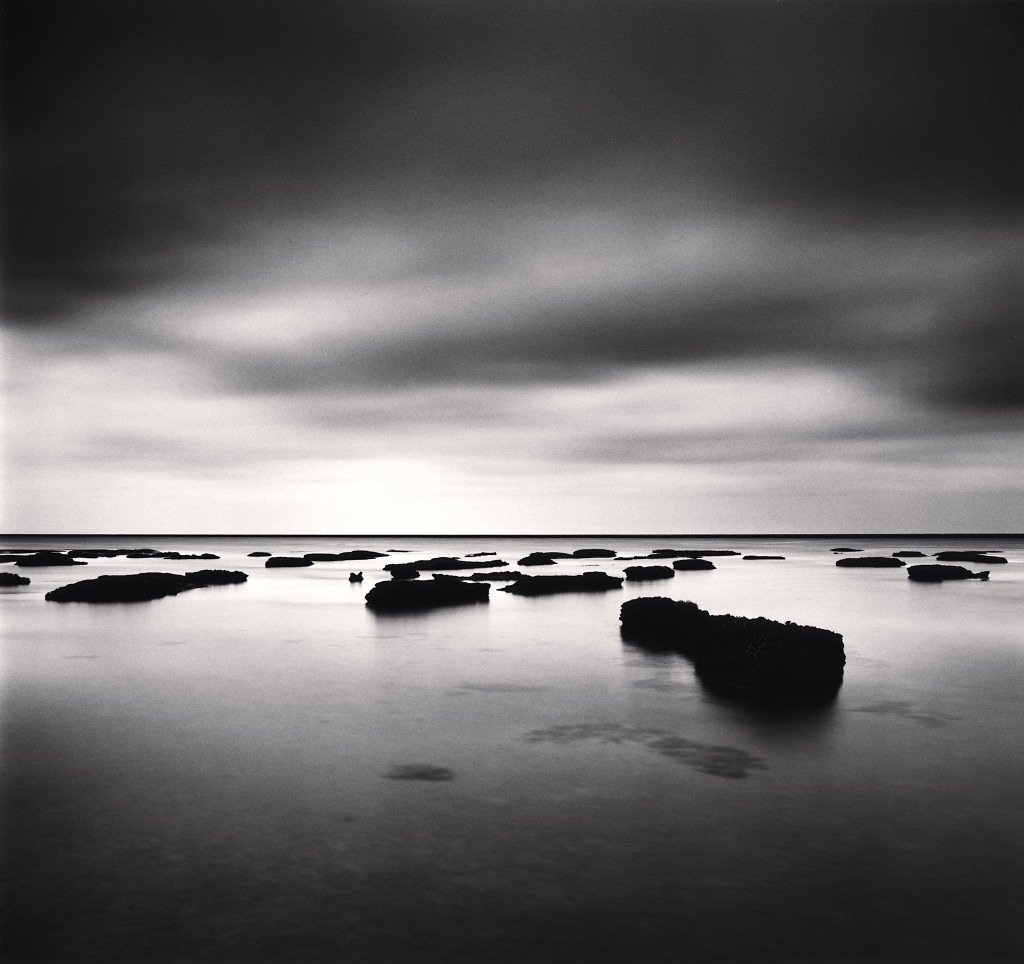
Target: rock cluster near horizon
x=143, y=586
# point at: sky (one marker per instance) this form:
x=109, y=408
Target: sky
x=566, y=266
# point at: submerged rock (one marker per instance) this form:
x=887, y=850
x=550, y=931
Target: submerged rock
x=48, y=558
x=396, y=595
x=13, y=579
x=643, y=573
x=446, y=562
x=688, y=565
x=142, y=586
x=937, y=573
x=283, y=562
x=983, y=557
x=870, y=562
x=550, y=585
x=756, y=659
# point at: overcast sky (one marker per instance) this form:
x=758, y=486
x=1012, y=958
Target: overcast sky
x=398, y=267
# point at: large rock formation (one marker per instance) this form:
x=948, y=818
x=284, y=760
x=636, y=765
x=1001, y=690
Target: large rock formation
x=550, y=585
x=397, y=595
x=594, y=554
x=982, y=557
x=937, y=573
x=690, y=565
x=48, y=558
x=286, y=562
x=446, y=562
x=142, y=586
x=643, y=573
x=13, y=579
x=755, y=659
x=346, y=556
x=870, y=562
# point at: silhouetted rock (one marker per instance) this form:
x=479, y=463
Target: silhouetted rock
x=355, y=577
x=402, y=571
x=398, y=595
x=689, y=565
x=754, y=659
x=667, y=554
x=502, y=575
x=47, y=558
x=7, y=560
x=96, y=553
x=13, y=579
x=143, y=554
x=537, y=559
x=473, y=555
x=187, y=555
x=937, y=573
x=594, y=554
x=701, y=553
x=846, y=549
x=764, y=557
x=908, y=554
x=983, y=557
x=446, y=562
x=256, y=554
x=349, y=555
x=141, y=587
x=283, y=562
x=870, y=562
x=550, y=585
x=644, y=573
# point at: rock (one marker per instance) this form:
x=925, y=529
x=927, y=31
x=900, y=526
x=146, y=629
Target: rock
x=846, y=549
x=282, y=562
x=141, y=587
x=594, y=554
x=936, y=573
x=397, y=595
x=446, y=562
x=473, y=555
x=8, y=559
x=755, y=659
x=355, y=577
x=502, y=575
x=186, y=555
x=981, y=557
x=550, y=585
x=870, y=562
x=764, y=557
x=537, y=559
x=700, y=553
x=48, y=558
x=688, y=565
x=254, y=554
x=13, y=579
x=644, y=573
x=401, y=571
x=350, y=555
x=908, y=554
x=96, y=553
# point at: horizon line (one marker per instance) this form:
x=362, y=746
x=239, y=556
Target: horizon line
x=511, y=535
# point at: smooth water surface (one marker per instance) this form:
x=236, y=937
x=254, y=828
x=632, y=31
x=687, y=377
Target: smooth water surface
x=269, y=771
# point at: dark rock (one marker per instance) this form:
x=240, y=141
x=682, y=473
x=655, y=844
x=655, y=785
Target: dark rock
x=355, y=577
x=550, y=585
x=700, y=553
x=6, y=560
x=473, y=555
x=143, y=554
x=95, y=553
x=47, y=558
x=537, y=559
x=397, y=595
x=643, y=573
x=349, y=555
x=594, y=554
x=667, y=554
x=936, y=573
x=446, y=562
x=764, y=557
x=969, y=557
x=401, y=571
x=502, y=575
x=141, y=587
x=187, y=555
x=908, y=554
x=282, y=562
x=13, y=579
x=755, y=659
x=254, y=554
x=871, y=562
x=688, y=565
x=846, y=549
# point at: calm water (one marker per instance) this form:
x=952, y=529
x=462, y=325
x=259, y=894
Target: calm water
x=204, y=777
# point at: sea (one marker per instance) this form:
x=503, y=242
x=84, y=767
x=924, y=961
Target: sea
x=271, y=771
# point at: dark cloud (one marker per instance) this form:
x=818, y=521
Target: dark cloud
x=135, y=134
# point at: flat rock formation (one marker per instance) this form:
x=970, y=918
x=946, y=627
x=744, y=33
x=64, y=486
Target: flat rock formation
x=701, y=553
x=347, y=556
x=983, y=557
x=13, y=579
x=550, y=585
x=47, y=558
x=398, y=595
x=755, y=659
x=501, y=575
x=846, y=549
x=938, y=573
x=871, y=562
x=258, y=554
x=643, y=573
x=473, y=555
x=764, y=557
x=908, y=554
x=142, y=586
x=446, y=562
x=540, y=559
x=594, y=554
x=690, y=565
x=285, y=562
